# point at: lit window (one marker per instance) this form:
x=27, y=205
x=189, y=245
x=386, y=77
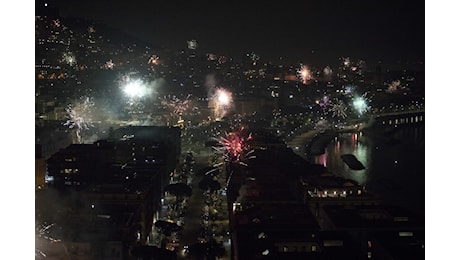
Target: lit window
x=405, y=234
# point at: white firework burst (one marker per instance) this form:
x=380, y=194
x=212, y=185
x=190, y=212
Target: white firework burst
x=79, y=116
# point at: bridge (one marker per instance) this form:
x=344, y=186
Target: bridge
x=397, y=117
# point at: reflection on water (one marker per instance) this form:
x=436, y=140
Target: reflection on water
x=394, y=162
x=346, y=144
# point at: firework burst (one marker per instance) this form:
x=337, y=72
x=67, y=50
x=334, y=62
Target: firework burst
x=133, y=86
x=233, y=147
x=69, y=58
x=79, y=116
x=339, y=109
x=361, y=104
x=154, y=60
x=221, y=102
x=395, y=87
x=304, y=74
x=178, y=107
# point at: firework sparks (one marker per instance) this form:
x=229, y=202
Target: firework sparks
x=324, y=103
x=346, y=62
x=79, y=116
x=43, y=232
x=56, y=23
x=304, y=74
x=339, y=109
x=178, y=107
x=133, y=86
x=91, y=29
x=211, y=56
x=349, y=89
x=327, y=71
x=361, y=105
x=192, y=44
x=233, y=147
x=109, y=65
x=68, y=58
x=222, y=59
x=395, y=86
x=254, y=58
x=154, y=60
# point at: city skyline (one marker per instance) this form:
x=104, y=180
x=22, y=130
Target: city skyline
x=434, y=183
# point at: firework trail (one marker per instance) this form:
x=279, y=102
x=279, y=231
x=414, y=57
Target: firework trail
x=79, y=116
x=43, y=232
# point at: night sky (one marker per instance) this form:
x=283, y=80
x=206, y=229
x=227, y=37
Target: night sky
x=299, y=31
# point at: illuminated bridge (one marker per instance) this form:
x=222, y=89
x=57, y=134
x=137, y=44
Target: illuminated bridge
x=387, y=118
x=398, y=118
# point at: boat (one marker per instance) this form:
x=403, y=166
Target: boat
x=352, y=162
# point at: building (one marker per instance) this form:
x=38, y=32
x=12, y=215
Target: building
x=109, y=192
x=282, y=207
x=40, y=168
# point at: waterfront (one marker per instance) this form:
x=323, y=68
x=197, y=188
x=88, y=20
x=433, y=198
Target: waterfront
x=394, y=163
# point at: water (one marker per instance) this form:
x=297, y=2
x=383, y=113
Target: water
x=394, y=161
